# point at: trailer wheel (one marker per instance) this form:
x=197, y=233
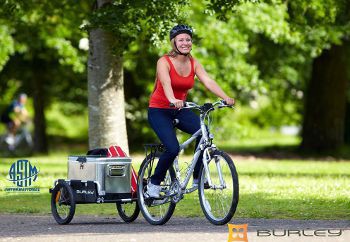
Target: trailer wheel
x=62, y=203
x=128, y=211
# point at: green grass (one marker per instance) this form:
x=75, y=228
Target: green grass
x=261, y=141
x=293, y=189
x=289, y=189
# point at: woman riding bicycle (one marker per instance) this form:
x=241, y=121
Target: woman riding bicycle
x=175, y=77
x=14, y=116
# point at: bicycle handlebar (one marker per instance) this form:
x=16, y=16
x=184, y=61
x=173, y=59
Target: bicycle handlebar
x=206, y=106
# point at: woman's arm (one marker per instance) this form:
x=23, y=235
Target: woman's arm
x=211, y=84
x=163, y=75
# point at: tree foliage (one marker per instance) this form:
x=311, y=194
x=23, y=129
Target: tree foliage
x=42, y=39
x=260, y=50
x=46, y=30
x=287, y=38
x=128, y=20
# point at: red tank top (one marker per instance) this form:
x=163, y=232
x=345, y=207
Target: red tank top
x=179, y=84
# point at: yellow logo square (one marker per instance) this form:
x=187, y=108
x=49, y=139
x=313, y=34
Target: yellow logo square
x=238, y=232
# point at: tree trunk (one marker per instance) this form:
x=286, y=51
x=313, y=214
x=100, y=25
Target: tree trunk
x=347, y=124
x=107, y=124
x=38, y=79
x=323, y=127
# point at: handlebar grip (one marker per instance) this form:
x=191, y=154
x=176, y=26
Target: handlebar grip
x=173, y=105
x=226, y=105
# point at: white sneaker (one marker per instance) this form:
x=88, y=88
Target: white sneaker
x=10, y=139
x=153, y=190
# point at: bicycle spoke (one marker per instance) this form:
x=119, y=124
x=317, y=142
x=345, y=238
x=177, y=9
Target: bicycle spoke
x=62, y=203
x=220, y=200
x=157, y=211
x=128, y=211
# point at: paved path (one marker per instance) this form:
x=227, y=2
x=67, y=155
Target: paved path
x=100, y=229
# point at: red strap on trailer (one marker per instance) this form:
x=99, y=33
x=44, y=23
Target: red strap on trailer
x=116, y=151
x=133, y=182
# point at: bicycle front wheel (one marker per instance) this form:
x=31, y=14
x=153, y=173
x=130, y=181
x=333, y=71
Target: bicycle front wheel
x=155, y=211
x=219, y=201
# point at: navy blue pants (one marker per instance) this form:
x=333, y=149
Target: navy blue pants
x=161, y=121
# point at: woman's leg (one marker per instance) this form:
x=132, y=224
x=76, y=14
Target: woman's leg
x=161, y=121
x=190, y=123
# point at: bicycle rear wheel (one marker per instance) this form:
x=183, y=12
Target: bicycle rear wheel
x=155, y=211
x=219, y=202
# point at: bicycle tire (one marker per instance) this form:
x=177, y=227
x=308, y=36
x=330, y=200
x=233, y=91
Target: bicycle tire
x=147, y=211
x=4, y=149
x=128, y=211
x=209, y=197
x=62, y=198
x=25, y=145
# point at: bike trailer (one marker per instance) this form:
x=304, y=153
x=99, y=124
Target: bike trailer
x=102, y=176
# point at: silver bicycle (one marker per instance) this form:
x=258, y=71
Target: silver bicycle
x=218, y=186
x=21, y=145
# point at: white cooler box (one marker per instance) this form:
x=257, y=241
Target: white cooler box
x=111, y=174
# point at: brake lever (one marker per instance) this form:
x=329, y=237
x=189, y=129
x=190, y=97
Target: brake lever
x=228, y=106
x=185, y=106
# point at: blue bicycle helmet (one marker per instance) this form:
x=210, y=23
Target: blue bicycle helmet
x=180, y=29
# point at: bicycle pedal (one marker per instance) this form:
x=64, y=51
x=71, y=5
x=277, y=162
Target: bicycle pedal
x=149, y=201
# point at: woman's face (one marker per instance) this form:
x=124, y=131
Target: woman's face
x=184, y=43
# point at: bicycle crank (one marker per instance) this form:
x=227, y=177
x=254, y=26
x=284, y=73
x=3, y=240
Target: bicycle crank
x=176, y=192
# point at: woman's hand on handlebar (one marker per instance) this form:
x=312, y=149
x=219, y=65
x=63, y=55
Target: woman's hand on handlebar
x=229, y=101
x=176, y=103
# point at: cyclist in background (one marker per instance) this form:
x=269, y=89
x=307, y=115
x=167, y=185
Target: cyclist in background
x=175, y=77
x=14, y=116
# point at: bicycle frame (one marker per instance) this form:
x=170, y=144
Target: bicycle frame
x=205, y=145
x=194, y=161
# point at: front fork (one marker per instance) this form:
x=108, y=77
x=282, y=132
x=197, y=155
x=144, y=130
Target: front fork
x=206, y=159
